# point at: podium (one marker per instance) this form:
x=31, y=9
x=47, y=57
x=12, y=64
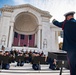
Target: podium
x=60, y=56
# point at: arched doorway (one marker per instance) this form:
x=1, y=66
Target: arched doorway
x=25, y=28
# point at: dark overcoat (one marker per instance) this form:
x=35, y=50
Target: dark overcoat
x=69, y=34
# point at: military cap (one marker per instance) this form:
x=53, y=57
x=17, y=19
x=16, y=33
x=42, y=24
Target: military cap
x=69, y=13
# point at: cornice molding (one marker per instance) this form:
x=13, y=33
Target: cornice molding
x=12, y=8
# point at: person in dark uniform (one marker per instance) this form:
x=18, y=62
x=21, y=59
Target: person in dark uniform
x=69, y=39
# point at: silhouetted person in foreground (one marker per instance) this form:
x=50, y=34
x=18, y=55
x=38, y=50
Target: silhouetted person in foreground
x=69, y=39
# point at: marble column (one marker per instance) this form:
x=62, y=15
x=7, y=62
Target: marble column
x=35, y=39
x=38, y=41
x=10, y=35
x=56, y=40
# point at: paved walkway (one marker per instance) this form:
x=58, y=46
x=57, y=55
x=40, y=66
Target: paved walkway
x=27, y=70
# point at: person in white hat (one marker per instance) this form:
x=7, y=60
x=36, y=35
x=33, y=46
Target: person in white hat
x=69, y=38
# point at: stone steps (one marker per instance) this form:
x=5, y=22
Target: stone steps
x=27, y=69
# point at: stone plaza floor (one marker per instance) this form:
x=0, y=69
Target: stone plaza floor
x=27, y=70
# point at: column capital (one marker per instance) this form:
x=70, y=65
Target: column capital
x=11, y=23
x=40, y=27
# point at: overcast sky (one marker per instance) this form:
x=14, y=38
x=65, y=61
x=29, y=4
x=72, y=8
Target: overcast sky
x=57, y=8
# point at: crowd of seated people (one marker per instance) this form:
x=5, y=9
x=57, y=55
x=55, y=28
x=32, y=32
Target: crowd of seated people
x=22, y=57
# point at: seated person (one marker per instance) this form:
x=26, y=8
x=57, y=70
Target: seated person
x=27, y=58
x=35, y=64
x=53, y=65
x=36, y=67
x=6, y=65
x=20, y=62
x=42, y=53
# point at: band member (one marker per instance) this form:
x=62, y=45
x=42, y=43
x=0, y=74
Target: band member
x=5, y=61
x=35, y=60
x=20, y=61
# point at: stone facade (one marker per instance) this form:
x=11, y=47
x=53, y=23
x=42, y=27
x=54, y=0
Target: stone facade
x=27, y=19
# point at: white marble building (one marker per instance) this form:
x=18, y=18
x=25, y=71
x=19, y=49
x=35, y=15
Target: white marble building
x=28, y=20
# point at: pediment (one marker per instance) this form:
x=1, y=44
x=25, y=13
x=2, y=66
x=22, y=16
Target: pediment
x=12, y=8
